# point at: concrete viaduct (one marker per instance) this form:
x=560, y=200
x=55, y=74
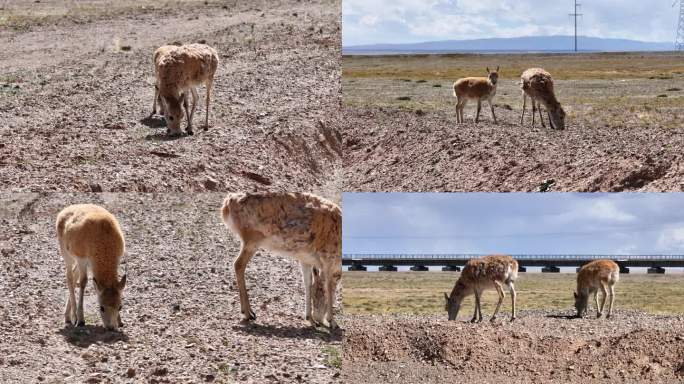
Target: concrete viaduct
x=549, y=263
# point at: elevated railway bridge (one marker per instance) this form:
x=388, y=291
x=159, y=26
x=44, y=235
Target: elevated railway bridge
x=549, y=263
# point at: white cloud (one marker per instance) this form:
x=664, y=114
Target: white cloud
x=404, y=21
x=671, y=239
x=600, y=211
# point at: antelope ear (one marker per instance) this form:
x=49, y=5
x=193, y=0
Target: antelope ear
x=97, y=286
x=446, y=296
x=497, y=68
x=574, y=294
x=487, y=69
x=122, y=283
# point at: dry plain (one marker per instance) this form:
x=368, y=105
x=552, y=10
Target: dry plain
x=76, y=88
x=624, y=125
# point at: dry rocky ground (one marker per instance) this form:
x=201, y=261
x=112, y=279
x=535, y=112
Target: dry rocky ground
x=76, y=88
x=181, y=308
x=539, y=347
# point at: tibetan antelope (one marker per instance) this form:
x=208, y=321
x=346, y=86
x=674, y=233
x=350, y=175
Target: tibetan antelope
x=538, y=85
x=302, y=226
x=90, y=236
x=179, y=70
x=489, y=272
x=158, y=53
x=603, y=274
x=478, y=88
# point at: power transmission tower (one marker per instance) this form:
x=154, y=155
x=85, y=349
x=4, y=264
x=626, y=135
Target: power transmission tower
x=679, y=42
x=575, y=15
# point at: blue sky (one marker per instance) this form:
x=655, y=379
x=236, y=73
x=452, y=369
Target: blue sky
x=410, y=21
x=516, y=223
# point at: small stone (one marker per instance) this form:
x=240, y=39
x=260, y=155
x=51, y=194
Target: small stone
x=95, y=188
x=210, y=183
x=130, y=372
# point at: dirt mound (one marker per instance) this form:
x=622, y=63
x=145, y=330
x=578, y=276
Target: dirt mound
x=392, y=149
x=538, y=347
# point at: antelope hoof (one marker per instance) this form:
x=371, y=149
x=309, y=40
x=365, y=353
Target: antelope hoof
x=512, y=318
x=492, y=319
x=608, y=316
x=598, y=315
x=332, y=324
x=473, y=320
x=81, y=323
x=190, y=132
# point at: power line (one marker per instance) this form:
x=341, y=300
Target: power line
x=575, y=15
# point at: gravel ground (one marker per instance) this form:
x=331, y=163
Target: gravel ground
x=393, y=149
x=76, y=95
x=539, y=347
x=181, y=305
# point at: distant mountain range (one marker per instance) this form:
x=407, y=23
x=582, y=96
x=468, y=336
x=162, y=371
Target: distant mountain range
x=514, y=44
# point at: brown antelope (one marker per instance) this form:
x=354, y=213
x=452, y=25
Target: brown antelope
x=538, y=85
x=603, y=274
x=90, y=236
x=299, y=225
x=158, y=53
x=180, y=69
x=478, y=88
x=488, y=272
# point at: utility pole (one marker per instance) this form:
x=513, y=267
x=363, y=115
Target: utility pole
x=679, y=41
x=576, y=15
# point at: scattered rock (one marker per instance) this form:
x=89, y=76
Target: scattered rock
x=130, y=372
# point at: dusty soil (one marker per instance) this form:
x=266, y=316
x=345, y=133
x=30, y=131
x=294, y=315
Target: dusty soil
x=537, y=347
x=181, y=308
x=76, y=94
x=389, y=149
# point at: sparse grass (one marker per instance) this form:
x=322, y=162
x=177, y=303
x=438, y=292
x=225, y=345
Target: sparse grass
x=226, y=369
x=333, y=358
x=563, y=67
x=423, y=292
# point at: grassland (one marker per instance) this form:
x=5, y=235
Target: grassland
x=598, y=66
x=422, y=293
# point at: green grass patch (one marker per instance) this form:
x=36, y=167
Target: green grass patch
x=333, y=357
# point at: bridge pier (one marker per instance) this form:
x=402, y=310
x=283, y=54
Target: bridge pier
x=450, y=268
x=387, y=268
x=419, y=268
x=357, y=267
x=521, y=268
x=656, y=270
x=550, y=269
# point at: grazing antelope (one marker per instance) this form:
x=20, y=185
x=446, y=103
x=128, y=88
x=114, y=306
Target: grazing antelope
x=597, y=274
x=180, y=69
x=90, y=236
x=478, y=88
x=489, y=272
x=158, y=53
x=303, y=226
x=538, y=85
